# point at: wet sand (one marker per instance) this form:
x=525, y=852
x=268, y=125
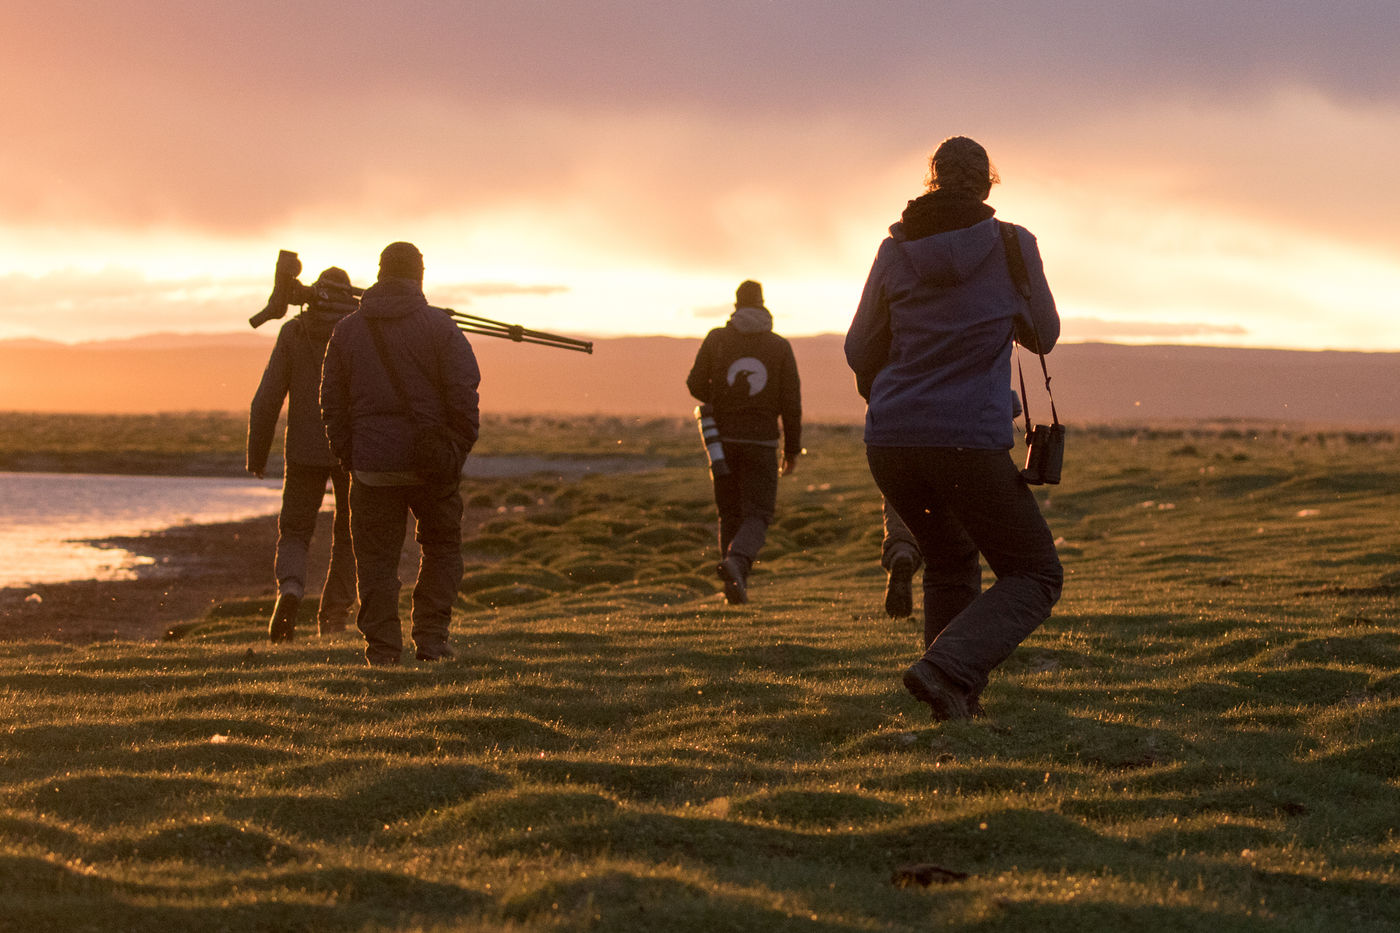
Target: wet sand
x=197, y=567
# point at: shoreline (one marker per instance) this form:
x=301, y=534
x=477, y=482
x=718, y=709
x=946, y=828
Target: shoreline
x=196, y=568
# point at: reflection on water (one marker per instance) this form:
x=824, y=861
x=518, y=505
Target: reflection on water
x=45, y=517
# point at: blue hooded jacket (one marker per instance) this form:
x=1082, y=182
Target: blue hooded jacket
x=930, y=343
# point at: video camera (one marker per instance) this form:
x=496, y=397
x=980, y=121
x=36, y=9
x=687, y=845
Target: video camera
x=287, y=290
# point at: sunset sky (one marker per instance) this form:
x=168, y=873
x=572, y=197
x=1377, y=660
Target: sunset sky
x=1197, y=171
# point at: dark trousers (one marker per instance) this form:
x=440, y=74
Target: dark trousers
x=379, y=521
x=898, y=540
x=746, y=499
x=959, y=503
x=303, y=488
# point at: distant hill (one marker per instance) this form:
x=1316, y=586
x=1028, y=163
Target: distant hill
x=645, y=376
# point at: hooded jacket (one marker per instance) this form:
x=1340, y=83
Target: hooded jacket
x=930, y=343
x=293, y=374
x=748, y=375
x=366, y=424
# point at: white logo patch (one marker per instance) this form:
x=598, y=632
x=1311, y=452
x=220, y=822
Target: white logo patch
x=751, y=372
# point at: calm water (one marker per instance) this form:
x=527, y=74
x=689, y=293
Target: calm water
x=46, y=517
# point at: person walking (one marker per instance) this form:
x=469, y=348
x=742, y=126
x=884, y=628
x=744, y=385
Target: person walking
x=748, y=376
x=293, y=375
x=930, y=346
x=398, y=397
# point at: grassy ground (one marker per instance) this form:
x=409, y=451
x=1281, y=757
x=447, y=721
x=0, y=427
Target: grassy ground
x=212, y=443
x=1206, y=736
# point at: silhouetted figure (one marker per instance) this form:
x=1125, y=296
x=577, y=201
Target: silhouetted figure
x=397, y=372
x=748, y=376
x=930, y=346
x=293, y=374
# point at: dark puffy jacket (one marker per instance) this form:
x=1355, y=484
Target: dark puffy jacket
x=930, y=343
x=748, y=376
x=368, y=427
x=293, y=373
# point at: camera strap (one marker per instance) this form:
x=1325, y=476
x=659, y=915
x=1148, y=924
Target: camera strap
x=1016, y=265
x=386, y=361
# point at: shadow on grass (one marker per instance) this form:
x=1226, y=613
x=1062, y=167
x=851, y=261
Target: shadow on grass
x=217, y=844
x=507, y=811
x=816, y=809
x=107, y=800
x=42, y=895
x=1308, y=686
x=986, y=842
x=154, y=741
x=618, y=900
x=666, y=783
x=357, y=810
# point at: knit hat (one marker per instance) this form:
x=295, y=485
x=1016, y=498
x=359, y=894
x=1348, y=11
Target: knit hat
x=334, y=275
x=749, y=294
x=401, y=261
x=332, y=297
x=961, y=164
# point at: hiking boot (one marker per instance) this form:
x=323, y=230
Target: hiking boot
x=332, y=626
x=930, y=685
x=439, y=653
x=736, y=589
x=899, y=588
x=283, y=624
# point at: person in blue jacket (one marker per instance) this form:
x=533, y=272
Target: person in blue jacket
x=930, y=346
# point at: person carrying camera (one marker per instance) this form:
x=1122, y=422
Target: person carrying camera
x=930, y=346
x=293, y=375
x=748, y=376
x=400, y=406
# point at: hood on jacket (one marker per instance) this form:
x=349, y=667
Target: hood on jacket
x=392, y=297
x=751, y=320
x=318, y=323
x=950, y=258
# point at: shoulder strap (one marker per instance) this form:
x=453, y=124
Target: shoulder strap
x=1016, y=265
x=386, y=361
x=1015, y=262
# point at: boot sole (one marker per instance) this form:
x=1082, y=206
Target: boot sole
x=946, y=704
